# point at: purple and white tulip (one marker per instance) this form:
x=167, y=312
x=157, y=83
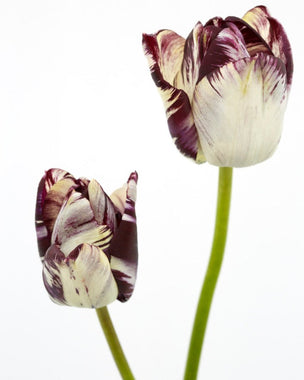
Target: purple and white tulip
x=225, y=87
x=87, y=241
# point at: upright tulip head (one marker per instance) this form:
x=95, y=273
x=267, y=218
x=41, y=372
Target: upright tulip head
x=87, y=241
x=225, y=87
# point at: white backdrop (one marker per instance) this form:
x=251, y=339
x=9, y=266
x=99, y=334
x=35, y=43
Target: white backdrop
x=76, y=93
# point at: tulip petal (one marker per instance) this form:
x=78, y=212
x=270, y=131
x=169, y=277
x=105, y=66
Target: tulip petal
x=187, y=76
x=118, y=197
x=176, y=101
x=83, y=279
x=123, y=247
x=52, y=190
x=224, y=45
x=102, y=206
x=166, y=49
x=76, y=224
x=239, y=111
x=254, y=42
x=274, y=34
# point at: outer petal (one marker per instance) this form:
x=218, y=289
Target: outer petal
x=239, y=110
x=102, y=206
x=76, y=224
x=167, y=49
x=187, y=77
x=123, y=247
x=164, y=64
x=83, y=279
x=274, y=34
x=52, y=190
x=119, y=197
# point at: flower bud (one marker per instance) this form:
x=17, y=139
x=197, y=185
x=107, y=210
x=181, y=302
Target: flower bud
x=87, y=241
x=225, y=87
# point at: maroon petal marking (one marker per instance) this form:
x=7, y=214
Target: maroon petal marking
x=76, y=224
x=193, y=54
x=103, y=208
x=52, y=190
x=83, y=279
x=274, y=34
x=51, y=274
x=254, y=42
x=176, y=101
x=215, y=21
x=223, y=46
x=123, y=248
x=167, y=49
x=182, y=127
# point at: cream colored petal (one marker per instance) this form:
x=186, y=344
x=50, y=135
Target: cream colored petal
x=101, y=205
x=84, y=279
x=76, y=224
x=187, y=77
x=171, y=48
x=52, y=190
x=164, y=52
x=239, y=109
x=274, y=34
x=118, y=197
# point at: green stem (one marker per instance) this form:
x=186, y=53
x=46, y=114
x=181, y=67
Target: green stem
x=113, y=342
x=212, y=273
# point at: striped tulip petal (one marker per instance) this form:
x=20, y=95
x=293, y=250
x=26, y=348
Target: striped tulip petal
x=83, y=279
x=227, y=45
x=166, y=51
x=52, y=190
x=76, y=224
x=255, y=44
x=274, y=34
x=188, y=73
x=239, y=111
x=177, y=105
x=123, y=248
x=101, y=205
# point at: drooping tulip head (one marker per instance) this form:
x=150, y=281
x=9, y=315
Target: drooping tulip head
x=225, y=87
x=87, y=241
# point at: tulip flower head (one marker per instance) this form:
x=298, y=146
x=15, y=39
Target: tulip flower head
x=225, y=87
x=87, y=241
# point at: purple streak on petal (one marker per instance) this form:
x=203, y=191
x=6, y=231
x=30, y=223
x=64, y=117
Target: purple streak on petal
x=76, y=224
x=215, y=21
x=274, y=34
x=102, y=207
x=279, y=36
x=254, y=42
x=123, y=248
x=51, y=278
x=181, y=124
x=108, y=217
x=43, y=219
x=179, y=113
x=224, y=46
x=193, y=54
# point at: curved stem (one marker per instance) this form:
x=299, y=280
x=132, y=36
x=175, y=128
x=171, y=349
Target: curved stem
x=114, y=344
x=212, y=273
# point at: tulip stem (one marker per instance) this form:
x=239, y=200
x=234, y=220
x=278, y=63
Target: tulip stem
x=114, y=344
x=212, y=273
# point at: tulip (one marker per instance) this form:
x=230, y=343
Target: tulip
x=87, y=241
x=225, y=87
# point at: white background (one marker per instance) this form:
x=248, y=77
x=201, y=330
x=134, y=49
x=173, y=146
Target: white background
x=76, y=93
